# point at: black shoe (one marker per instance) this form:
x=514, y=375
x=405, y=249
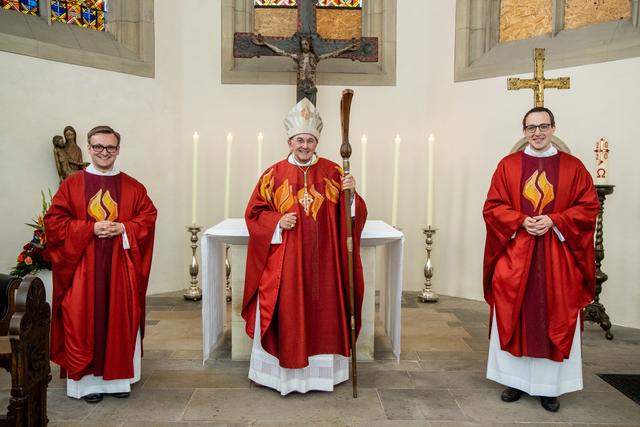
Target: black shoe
x=510, y=394
x=551, y=404
x=93, y=397
x=120, y=395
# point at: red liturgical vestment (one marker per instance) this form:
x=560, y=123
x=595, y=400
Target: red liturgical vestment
x=302, y=282
x=538, y=284
x=98, y=286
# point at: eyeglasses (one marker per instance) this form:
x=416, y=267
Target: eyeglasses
x=543, y=127
x=302, y=141
x=99, y=148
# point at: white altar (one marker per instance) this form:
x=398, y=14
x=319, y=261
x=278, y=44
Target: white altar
x=234, y=233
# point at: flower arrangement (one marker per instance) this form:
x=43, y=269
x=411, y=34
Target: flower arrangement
x=33, y=258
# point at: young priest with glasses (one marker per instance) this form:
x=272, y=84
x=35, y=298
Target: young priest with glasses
x=100, y=232
x=539, y=265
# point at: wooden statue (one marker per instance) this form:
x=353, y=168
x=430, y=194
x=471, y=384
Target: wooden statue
x=61, y=157
x=67, y=154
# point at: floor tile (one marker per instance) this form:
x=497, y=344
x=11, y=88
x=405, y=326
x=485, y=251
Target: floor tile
x=439, y=381
x=267, y=405
x=420, y=405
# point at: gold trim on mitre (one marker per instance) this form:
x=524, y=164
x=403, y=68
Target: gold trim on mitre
x=303, y=118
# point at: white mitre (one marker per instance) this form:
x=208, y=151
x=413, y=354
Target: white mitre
x=303, y=118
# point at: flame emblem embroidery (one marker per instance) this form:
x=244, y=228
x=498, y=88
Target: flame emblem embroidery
x=266, y=186
x=283, y=197
x=539, y=191
x=102, y=207
x=332, y=190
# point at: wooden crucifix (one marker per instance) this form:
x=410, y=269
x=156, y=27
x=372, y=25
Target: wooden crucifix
x=306, y=48
x=538, y=83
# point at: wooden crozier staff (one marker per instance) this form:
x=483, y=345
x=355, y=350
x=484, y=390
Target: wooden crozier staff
x=345, y=152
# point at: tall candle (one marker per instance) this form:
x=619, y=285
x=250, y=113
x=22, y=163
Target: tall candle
x=227, y=179
x=602, y=161
x=430, y=181
x=363, y=177
x=260, y=141
x=396, y=176
x=194, y=177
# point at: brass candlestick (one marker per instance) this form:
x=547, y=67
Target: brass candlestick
x=427, y=294
x=193, y=292
x=595, y=312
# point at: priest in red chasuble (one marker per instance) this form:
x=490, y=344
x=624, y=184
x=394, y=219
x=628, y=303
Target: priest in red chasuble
x=100, y=231
x=539, y=265
x=295, y=299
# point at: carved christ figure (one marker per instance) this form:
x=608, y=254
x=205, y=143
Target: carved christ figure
x=306, y=61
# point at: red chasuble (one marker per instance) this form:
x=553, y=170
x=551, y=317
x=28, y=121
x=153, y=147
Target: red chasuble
x=301, y=283
x=98, y=287
x=538, y=284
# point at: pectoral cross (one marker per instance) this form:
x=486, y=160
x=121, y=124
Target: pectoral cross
x=538, y=83
x=306, y=200
x=306, y=48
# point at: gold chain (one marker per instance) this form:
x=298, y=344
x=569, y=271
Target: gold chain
x=304, y=173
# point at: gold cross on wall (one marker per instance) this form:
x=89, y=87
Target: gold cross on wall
x=538, y=83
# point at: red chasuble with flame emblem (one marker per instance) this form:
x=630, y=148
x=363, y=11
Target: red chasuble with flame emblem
x=98, y=287
x=302, y=282
x=538, y=284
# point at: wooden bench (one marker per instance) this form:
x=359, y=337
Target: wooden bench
x=24, y=350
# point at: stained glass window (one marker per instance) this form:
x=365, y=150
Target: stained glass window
x=85, y=13
x=29, y=7
x=522, y=20
x=274, y=3
x=335, y=19
x=340, y=3
x=322, y=3
x=580, y=13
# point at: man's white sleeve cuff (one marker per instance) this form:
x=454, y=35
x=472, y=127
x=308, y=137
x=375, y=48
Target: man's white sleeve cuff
x=125, y=240
x=558, y=233
x=277, y=235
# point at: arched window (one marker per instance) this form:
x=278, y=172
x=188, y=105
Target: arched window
x=60, y=30
x=336, y=19
x=370, y=18
x=523, y=20
x=497, y=37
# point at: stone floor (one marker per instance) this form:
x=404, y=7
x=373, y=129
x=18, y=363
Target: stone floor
x=440, y=380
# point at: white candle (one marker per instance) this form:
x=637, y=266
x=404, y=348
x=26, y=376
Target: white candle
x=602, y=161
x=430, y=180
x=194, y=177
x=363, y=177
x=260, y=141
x=396, y=176
x=227, y=180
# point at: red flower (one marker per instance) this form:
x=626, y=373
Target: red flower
x=28, y=260
x=21, y=257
